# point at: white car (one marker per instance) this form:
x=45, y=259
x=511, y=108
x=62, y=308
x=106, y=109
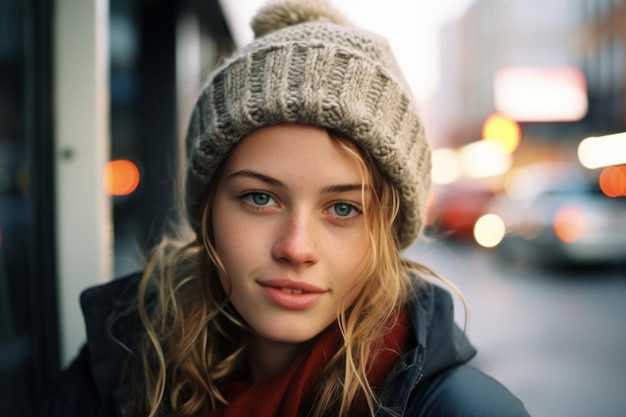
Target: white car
x=564, y=217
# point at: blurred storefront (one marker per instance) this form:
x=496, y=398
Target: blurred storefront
x=555, y=69
x=602, y=45
x=160, y=52
x=149, y=57
x=28, y=305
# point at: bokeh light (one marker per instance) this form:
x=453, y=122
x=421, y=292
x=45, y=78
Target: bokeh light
x=121, y=177
x=613, y=181
x=541, y=93
x=489, y=230
x=484, y=159
x=569, y=224
x=602, y=151
x=503, y=130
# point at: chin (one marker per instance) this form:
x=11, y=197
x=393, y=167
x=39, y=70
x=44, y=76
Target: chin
x=287, y=336
x=290, y=338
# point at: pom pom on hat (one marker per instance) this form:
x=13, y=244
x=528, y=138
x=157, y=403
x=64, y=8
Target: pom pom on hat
x=308, y=65
x=279, y=14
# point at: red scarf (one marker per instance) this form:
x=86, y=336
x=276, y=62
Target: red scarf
x=284, y=395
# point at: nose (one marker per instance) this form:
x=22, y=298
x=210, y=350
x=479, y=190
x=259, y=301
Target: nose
x=296, y=240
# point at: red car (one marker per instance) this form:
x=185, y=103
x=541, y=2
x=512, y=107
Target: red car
x=456, y=207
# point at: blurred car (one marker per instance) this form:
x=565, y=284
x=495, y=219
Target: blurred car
x=456, y=208
x=561, y=216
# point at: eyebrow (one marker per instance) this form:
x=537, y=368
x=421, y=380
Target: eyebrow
x=338, y=188
x=342, y=188
x=257, y=175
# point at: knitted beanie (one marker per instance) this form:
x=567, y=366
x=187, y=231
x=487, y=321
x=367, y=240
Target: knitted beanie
x=308, y=65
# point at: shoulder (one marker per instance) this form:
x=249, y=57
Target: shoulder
x=448, y=386
x=109, y=305
x=109, y=295
x=442, y=341
x=430, y=303
x=110, y=312
x=464, y=391
x=91, y=384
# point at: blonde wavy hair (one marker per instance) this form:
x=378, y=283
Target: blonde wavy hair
x=194, y=337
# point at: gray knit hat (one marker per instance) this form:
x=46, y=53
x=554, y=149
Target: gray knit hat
x=308, y=65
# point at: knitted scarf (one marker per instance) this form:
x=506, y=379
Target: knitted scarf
x=290, y=392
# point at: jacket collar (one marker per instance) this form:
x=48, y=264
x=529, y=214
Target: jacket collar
x=438, y=344
x=111, y=328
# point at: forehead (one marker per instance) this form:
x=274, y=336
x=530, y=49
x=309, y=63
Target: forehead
x=296, y=151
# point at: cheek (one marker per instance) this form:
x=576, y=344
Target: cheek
x=234, y=245
x=237, y=246
x=223, y=221
x=353, y=292
x=355, y=265
x=357, y=254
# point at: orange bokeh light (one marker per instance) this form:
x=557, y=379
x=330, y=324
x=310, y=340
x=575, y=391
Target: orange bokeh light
x=569, y=224
x=503, y=130
x=121, y=177
x=613, y=181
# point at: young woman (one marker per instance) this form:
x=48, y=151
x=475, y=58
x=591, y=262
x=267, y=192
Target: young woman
x=308, y=175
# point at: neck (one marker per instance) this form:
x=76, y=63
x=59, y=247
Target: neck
x=267, y=359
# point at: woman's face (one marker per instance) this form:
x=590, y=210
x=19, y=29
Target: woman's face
x=289, y=229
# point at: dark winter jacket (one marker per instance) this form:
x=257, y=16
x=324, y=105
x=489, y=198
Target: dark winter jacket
x=433, y=379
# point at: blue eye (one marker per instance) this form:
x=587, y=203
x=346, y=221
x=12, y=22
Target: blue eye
x=259, y=199
x=345, y=209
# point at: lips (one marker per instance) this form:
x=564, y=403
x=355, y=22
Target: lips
x=292, y=295
x=295, y=286
x=292, y=290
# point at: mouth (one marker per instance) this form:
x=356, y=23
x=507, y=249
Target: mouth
x=292, y=295
x=292, y=291
x=292, y=287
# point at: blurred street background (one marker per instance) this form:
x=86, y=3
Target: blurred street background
x=554, y=337
x=523, y=103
